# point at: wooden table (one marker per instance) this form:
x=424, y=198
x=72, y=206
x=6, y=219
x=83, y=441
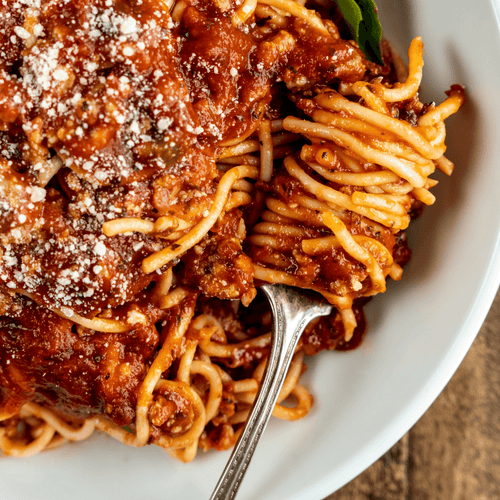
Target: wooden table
x=453, y=451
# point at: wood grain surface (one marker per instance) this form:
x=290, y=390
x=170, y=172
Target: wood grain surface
x=453, y=451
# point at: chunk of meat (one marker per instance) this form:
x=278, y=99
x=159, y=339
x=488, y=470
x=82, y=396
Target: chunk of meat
x=76, y=371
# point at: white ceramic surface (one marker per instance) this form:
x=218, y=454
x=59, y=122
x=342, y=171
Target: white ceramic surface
x=419, y=331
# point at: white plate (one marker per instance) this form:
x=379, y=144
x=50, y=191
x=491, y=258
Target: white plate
x=419, y=331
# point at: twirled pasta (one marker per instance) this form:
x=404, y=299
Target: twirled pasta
x=201, y=198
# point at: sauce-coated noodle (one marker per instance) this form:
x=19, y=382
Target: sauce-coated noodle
x=158, y=162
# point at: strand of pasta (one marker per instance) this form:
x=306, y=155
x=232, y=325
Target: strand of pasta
x=395, y=204
x=439, y=113
x=243, y=185
x=290, y=386
x=253, y=145
x=195, y=235
x=174, y=298
x=97, y=324
x=331, y=154
x=249, y=132
x=396, y=272
x=186, y=454
x=4, y=414
x=315, y=246
x=277, y=261
x=267, y=156
x=249, y=386
x=228, y=350
x=244, y=12
x=280, y=242
x=10, y=447
x=355, y=250
x=354, y=124
x=237, y=199
x=127, y=224
x=69, y=432
x=163, y=285
x=424, y=196
x=208, y=371
x=330, y=157
x=186, y=360
x=273, y=217
x=162, y=361
x=332, y=196
x=266, y=151
x=273, y=19
x=361, y=179
x=304, y=404
x=245, y=159
x=273, y=276
x=188, y=366
x=380, y=123
x=193, y=433
x=311, y=204
x=279, y=230
x=349, y=322
x=178, y=10
x=167, y=4
x=310, y=16
x=246, y=385
x=292, y=378
x=403, y=91
x=400, y=166
x=303, y=213
x=372, y=100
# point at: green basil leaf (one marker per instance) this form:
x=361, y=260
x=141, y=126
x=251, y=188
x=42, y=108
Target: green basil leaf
x=352, y=15
x=362, y=19
x=370, y=31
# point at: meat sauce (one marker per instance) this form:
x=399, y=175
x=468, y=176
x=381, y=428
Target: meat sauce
x=109, y=109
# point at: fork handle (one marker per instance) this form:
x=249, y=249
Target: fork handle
x=292, y=312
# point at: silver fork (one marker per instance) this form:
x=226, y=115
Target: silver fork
x=292, y=312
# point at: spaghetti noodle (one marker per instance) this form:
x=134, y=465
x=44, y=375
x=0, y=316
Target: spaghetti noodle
x=158, y=160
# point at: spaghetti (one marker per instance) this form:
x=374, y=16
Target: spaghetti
x=160, y=159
